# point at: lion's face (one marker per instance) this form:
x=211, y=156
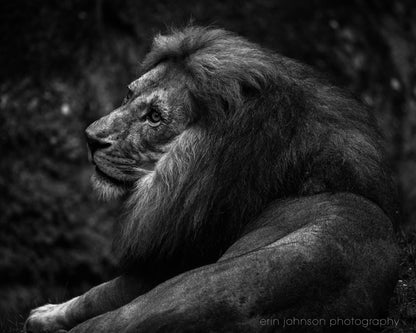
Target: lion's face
x=126, y=144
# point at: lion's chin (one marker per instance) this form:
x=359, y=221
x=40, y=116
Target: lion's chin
x=106, y=189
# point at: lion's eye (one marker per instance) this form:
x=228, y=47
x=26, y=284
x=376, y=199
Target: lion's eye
x=154, y=117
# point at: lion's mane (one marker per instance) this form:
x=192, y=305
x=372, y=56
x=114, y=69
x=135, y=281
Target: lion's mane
x=266, y=128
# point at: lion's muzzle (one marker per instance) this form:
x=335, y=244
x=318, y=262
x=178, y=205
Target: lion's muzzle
x=95, y=138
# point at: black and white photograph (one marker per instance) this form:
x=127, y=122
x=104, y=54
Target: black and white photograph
x=207, y=166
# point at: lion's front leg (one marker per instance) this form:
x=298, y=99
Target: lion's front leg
x=101, y=299
x=49, y=318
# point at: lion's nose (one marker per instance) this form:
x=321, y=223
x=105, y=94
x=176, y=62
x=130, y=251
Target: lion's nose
x=95, y=141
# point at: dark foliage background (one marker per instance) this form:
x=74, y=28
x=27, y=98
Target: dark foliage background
x=65, y=63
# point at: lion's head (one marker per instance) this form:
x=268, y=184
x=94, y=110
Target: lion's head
x=214, y=130
x=127, y=144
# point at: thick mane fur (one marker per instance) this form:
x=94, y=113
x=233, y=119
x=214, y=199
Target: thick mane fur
x=266, y=128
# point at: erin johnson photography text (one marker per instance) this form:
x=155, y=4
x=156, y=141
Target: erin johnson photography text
x=331, y=322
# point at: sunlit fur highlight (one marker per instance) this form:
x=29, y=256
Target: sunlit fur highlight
x=267, y=128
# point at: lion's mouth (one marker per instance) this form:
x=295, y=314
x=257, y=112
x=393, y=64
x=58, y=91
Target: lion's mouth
x=115, y=172
x=122, y=174
x=120, y=179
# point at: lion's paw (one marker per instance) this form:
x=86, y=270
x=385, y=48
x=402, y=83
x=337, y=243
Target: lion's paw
x=46, y=319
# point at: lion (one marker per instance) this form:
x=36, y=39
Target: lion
x=254, y=190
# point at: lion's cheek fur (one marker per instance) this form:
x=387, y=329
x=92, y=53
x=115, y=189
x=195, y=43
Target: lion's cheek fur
x=105, y=190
